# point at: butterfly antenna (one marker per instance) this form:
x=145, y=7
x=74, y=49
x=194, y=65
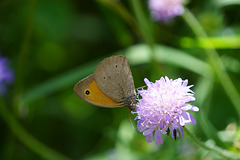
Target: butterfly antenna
x=130, y=120
x=141, y=87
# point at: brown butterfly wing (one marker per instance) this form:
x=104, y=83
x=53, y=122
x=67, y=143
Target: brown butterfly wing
x=114, y=78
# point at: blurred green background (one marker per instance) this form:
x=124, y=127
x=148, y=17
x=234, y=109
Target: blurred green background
x=51, y=45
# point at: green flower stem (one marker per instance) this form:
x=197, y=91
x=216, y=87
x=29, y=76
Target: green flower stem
x=23, y=54
x=122, y=12
x=211, y=147
x=28, y=140
x=215, y=61
x=147, y=31
x=144, y=24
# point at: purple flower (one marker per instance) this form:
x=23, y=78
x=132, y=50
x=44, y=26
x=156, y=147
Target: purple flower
x=162, y=108
x=6, y=75
x=164, y=10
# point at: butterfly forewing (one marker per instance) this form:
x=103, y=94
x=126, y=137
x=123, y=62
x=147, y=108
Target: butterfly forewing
x=114, y=78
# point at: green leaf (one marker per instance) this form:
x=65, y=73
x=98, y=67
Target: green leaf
x=224, y=3
x=142, y=53
x=227, y=42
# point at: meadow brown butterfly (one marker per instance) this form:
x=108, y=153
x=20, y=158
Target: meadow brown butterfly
x=111, y=85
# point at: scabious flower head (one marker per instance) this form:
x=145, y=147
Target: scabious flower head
x=163, y=107
x=164, y=10
x=6, y=75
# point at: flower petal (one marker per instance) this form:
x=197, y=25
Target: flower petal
x=147, y=82
x=182, y=121
x=140, y=126
x=185, y=83
x=192, y=119
x=194, y=108
x=149, y=138
x=148, y=131
x=181, y=131
x=158, y=137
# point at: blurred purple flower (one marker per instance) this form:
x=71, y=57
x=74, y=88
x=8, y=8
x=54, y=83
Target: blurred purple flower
x=6, y=75
x=162, y=108
x=164, y=10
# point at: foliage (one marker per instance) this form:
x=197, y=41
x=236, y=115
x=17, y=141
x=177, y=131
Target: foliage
x=51, y=45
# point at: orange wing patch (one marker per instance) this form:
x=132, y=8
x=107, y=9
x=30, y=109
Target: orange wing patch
x=96, y=96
